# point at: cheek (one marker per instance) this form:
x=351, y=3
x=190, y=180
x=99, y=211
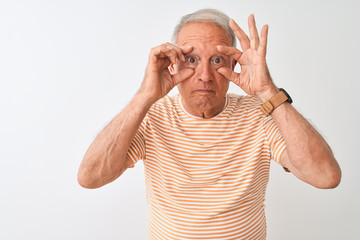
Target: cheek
x=220, y=79
x=183, y=87
x=225, y=85
x=222, y=83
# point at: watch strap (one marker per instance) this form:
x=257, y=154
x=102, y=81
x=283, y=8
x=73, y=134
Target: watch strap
x=269, y=106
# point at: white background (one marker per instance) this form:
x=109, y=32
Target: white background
x=68, y=67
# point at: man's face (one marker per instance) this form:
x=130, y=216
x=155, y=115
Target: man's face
x=206, y=88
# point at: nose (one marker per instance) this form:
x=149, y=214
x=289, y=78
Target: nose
x=205, y=73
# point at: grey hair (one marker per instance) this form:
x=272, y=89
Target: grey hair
x=206, y=15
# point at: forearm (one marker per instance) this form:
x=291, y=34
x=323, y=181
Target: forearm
x=105, y=159
x=308, y=156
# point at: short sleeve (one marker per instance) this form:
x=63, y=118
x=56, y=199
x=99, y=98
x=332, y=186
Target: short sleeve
x=136, y=150
x=275, y=139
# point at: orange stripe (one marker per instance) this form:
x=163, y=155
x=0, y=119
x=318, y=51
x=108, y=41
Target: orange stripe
x=208, y=172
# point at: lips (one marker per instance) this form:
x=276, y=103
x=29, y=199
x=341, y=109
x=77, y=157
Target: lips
x=205, y=91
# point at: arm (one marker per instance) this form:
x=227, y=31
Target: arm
x=106, y=160
x=307, y=155
x=316, y=164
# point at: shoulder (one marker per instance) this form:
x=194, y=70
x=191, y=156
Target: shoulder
x=166, y=102
x=249, y=102
x=164, y=107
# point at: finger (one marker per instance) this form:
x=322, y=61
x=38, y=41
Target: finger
x=230, y=51
x=166, y=52
x=240, y=34
x=163, y=51
x=263, y=40
x=254, y=36
x=156, y=53
x=171, y=54
x=182, y=75
x=178, y=50
x=186, y=49
x=228, y=73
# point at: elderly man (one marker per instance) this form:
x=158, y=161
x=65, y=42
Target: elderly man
x=206, y=152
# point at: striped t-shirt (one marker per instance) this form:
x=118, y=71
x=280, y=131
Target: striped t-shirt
x=206, y=178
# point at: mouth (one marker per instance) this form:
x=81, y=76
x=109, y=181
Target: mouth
x=204, y=91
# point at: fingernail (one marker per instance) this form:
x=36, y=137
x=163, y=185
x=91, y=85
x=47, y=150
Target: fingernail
x=176, y=68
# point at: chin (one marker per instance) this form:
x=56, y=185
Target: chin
x=205, y=100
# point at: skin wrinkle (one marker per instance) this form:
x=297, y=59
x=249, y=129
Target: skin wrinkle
x=307, y=155
x=204, y=37
x=205, y=40
x=108, y=153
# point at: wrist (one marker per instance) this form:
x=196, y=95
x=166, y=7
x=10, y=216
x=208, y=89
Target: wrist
x=268, y=94
x=270, y=105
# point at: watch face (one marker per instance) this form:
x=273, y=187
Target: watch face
x=289, y=100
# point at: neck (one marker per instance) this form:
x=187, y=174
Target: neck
x=203, y=109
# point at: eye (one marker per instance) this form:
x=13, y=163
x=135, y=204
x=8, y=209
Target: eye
x=191, y=59
x=218, y=60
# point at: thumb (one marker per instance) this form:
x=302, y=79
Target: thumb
x=182, y=75
x=228, y=73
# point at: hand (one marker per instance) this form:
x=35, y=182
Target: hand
x=254, y=77
x=158, y=80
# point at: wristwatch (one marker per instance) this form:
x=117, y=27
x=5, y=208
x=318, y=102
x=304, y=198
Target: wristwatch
x=268, y=107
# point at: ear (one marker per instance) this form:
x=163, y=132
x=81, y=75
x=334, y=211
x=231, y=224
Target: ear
x=173, y=69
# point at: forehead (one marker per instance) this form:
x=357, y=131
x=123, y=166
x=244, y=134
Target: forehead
x=203, y=33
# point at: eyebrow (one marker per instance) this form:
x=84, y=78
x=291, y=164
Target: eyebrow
x=215, y=55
